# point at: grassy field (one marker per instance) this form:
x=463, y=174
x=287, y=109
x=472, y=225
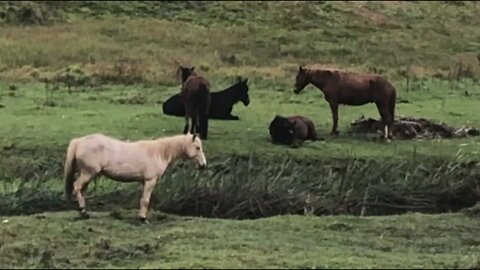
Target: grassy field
x=287, y=241
x=121, y=59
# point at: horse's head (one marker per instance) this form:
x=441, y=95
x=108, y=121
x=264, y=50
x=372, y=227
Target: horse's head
x=290, y=126
x=302, y=80
x=243, y=90
x=194, y=151
x=282, y=129
x=283, y=123
x=186, y=72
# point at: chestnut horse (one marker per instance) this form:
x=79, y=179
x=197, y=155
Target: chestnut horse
x=342, y=88
x=195, y=96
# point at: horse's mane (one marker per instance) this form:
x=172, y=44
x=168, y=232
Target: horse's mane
x=169, y=146
x=231, y=87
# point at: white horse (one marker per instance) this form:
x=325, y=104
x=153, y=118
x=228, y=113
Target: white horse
x=143, y=161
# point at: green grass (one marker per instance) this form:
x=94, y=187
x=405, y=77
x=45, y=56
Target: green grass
x=123, y=58
x=406, y=241
x=26, y=121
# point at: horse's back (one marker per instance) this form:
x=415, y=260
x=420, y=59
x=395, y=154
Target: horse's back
x=195, y=86
x=367, y=81
x=97, y=138
x=359, y=89
x=97, y=144
x=196, y=95
x=305, y=128
x=380, y=83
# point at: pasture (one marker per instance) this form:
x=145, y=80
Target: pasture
x=340, y=202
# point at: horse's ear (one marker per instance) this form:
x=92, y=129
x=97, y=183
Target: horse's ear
x=194, y=136
x=293, y=123
x=301, y=68
x=245, y=81
x=192, y=68
x=179, y=71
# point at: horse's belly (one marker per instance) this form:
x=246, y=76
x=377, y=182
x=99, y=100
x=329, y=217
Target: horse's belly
x=357, y=102
x=124, y=172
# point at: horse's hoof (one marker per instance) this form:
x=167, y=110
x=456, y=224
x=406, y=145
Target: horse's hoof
x=84, y=215
x=334, y=134
x=144, y=220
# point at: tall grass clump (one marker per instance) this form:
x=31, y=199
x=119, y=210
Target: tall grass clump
x=242, y=187
x=248, y=189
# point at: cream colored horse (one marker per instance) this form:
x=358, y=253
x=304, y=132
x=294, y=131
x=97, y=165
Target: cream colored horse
x=144, y=161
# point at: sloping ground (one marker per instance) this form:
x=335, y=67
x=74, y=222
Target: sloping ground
x=144, y=41
x=115, y=240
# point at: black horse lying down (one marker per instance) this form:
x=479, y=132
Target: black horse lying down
x=221, y=103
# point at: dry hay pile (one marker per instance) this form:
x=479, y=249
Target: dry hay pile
x=413, y=128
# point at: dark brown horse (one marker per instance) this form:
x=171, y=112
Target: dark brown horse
x=340, y=87
x=292, y=130
x=195, y=95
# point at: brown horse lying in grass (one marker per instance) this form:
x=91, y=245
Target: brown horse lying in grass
x=195, y=95
x=340, y=87
x=142, y=161
x=293, y=130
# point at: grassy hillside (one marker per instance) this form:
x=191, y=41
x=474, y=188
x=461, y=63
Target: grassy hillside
x=264, y=40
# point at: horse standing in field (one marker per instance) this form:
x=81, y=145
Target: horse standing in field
x=143, y=161
x=195, y=96
x=340, y=87
x=292, y=130
x=221, y=104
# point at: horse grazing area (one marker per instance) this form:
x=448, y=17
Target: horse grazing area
x=388, y=177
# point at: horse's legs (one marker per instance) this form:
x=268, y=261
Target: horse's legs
x=148, y=187
x=185, y=129
x=197, y=122
x=334, y=109
x=385, y=115
x=79, y=188
x=194, y=126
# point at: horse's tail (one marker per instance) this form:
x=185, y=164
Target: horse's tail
x=204, y=110
x=69, y=169
x=391, y=102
